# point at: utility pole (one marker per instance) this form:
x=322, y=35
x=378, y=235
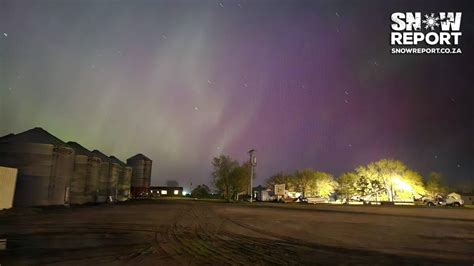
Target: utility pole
x=253, y=163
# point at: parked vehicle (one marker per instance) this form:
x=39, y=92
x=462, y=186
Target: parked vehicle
x=452, y=199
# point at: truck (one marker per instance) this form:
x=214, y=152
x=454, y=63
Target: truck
x=452, y=199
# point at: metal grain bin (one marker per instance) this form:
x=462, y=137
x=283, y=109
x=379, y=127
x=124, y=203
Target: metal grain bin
x=108, y=177
x=85, y=181
x=114, y=173
x=45, y=166
x=141, y=174
x=7, y=186
x=78, y=181
x=124, y=180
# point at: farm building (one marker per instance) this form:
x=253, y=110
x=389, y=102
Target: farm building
x=45, y=167
x=166, y=191
x=141, y=174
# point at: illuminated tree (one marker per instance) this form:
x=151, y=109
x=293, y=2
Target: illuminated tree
x=323, y=184
x=412, y=183
x=347, y=185
x=385, y=172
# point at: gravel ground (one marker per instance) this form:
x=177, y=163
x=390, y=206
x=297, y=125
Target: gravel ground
x=186, y=232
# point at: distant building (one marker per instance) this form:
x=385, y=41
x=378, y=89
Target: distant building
x=261, y=193
x=468, y=198
x=167, y=191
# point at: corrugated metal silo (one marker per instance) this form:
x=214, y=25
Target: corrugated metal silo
x=124, y=180
x=45, y=166
x=85, y=181
x=141, y=174
x=108, y=177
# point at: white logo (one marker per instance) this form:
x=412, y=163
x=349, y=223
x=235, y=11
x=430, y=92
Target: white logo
x=432, y=33
x=431, y=21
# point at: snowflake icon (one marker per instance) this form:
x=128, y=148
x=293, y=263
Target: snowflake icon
x=431, y=21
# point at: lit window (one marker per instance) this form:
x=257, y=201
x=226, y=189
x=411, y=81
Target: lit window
x=151, y=191
x=164, y=192
x=176, y=192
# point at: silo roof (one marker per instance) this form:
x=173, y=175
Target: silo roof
x=3, y=138
x=34, y=135
x=80, y=150
x=102, y=156
x=114, y=159
x=139, y=157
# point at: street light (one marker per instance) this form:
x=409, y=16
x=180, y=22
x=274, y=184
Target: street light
x=253, y=163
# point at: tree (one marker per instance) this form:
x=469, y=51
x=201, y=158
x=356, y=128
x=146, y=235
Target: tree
x=201, y=191
x=239, y=179
x=386, y=172
x=347, y=185
x=434, y=184
x=229, y=177
x=281, y=178
x=323, y=184
x=304, y=181
x=223, y=166
x=415, y=183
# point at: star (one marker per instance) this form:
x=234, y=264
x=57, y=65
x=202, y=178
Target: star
x=5, y=34
x=209, y=81
x=346, y=92
x=10, y=89
x=246, y=85
x=350, y=145
x=221, y=5
x=196, y=108
x=337, y=14
x=346, y=101
x=459, y=166
x=436, y=156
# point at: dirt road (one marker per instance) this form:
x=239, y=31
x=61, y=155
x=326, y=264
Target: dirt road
x=171, y=232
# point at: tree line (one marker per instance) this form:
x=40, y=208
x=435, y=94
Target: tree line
x=383, y=180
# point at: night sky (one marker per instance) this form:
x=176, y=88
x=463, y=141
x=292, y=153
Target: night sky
x=305, y=83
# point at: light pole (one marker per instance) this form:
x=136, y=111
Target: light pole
x=253, y=163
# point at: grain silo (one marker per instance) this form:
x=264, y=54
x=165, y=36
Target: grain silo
x=124, y=180
x=141, y=174
x=85, y=180
x=108, y=177
x=45, y=166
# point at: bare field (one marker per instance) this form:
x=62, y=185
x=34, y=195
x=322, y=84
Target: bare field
x=186, y=232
